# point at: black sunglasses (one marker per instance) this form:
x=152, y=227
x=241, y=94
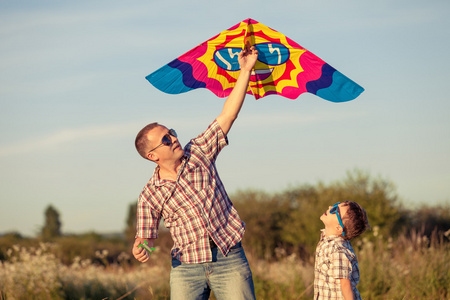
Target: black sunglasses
x=166, y=140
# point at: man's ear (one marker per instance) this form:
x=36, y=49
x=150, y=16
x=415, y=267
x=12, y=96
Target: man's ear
x=152, y=156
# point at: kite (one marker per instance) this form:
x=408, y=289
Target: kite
x=283, y=68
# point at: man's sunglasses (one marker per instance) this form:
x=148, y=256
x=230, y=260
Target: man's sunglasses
x=335, y=210
x=166, y=140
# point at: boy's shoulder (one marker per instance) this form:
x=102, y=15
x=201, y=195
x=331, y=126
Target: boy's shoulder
x=336, y=244
x=344, y=248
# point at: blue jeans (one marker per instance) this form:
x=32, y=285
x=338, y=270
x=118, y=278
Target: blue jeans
x=229, y=277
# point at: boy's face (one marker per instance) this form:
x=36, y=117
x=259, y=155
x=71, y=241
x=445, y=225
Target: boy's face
x=330, y=220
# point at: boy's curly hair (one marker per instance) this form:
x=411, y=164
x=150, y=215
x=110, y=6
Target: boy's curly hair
x=355, y=220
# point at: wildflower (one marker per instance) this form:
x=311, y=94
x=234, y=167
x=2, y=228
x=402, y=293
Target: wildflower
x=376, y=230
x=123, y=257
x=447, y=234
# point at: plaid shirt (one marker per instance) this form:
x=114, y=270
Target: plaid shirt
x=196, y=206
x=335, y=259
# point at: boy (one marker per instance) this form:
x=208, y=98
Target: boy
x=336, y=271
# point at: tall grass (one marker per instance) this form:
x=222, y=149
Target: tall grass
x=410, y=267
x=36, y=273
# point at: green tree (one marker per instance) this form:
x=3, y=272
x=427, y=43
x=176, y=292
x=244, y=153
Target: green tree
x=377, y=196
x=52, y=226
x=263, y=215
x=428, y=219
x=130, y=230
x=291, y=219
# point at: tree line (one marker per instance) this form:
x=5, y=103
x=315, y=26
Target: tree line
x=285, y=222
x=289, y=220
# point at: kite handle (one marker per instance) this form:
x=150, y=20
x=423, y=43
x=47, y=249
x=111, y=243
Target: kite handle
x=146, y=247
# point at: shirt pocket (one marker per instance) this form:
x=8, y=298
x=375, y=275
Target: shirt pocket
x=198, y=177
x=326, y=268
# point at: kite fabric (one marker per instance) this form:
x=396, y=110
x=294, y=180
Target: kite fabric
x=283, y=68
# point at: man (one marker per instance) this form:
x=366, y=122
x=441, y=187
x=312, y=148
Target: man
x=187, y=192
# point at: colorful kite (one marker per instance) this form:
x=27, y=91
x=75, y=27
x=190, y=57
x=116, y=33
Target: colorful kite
x=283, y=68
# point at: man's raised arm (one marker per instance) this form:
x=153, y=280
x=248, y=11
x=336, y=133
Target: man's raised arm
x=233, y=104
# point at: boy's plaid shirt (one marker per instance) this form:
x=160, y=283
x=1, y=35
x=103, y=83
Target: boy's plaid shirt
x=196, y=206
x=335, y=259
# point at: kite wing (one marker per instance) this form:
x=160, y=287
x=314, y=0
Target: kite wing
x=283, y=68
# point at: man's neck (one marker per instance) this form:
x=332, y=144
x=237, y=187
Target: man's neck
x=169, y=171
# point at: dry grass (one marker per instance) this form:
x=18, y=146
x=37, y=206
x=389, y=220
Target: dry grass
x=411, y=267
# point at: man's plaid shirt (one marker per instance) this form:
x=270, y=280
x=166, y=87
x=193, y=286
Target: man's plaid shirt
x=335, y=259
x=196, y=206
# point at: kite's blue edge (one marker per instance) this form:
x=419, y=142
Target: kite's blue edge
x=175, y=78
x=168, y=80
x=342, y=89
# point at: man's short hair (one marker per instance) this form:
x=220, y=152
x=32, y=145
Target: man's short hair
x=142, y=143
x=355, y=220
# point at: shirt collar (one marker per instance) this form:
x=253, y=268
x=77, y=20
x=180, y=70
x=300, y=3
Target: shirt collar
x=329, y=238
x=157, y=181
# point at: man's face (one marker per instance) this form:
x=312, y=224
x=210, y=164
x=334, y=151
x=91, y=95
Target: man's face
x=159, y=151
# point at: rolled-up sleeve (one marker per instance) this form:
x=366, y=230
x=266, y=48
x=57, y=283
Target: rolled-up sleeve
x=211, y=141
x=147, y=220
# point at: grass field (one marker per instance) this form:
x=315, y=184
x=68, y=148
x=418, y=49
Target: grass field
x=406, y=255
x=410, y=267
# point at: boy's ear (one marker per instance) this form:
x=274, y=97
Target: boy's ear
x=340, y=229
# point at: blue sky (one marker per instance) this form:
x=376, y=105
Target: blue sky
x=73, y=95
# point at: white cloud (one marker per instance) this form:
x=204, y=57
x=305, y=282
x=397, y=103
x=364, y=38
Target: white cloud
x=67, y=136
x=48, y=86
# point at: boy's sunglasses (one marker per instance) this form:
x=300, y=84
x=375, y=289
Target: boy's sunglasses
x=166, y=140
x=335, y=210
